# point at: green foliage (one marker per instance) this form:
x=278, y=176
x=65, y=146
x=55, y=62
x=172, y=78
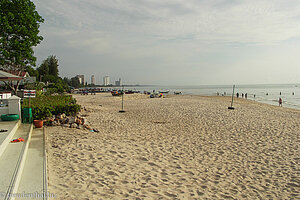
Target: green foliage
x=46, y=106
x=43, y=70
x=35, y=86
x=53, y=66
x=58, y=87
x=73, y=82
x=31, y=71
x=19, y=22
x=49, y=69
x=41, y=112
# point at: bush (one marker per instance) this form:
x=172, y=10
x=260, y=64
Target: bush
x=46, y=106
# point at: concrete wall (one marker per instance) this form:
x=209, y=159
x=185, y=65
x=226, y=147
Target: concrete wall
x=13, y=106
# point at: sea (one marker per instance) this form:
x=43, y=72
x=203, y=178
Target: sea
x=265, y=93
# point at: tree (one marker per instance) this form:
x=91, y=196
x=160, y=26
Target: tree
x=75, y=82
x=53, y=66
x=32, y=72
x=48, y=70
x=19, y=29
x=43, y=70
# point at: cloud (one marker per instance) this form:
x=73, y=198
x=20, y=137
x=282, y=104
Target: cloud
x=163, y=34
x=215, y=21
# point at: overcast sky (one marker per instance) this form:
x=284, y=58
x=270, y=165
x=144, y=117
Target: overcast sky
x=174, y=42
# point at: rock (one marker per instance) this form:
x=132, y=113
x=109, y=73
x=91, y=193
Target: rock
x=73, y=125
x=63, y=121
x=71, y=120
x=54, y=123
x=65, y=125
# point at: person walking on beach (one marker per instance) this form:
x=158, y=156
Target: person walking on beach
x=246, y=95
x=237, y=95
x=280, y=102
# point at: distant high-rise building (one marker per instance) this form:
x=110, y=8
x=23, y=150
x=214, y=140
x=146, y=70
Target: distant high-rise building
x=80, y=78
x=119, y=82
x=106, y=80
x=93, y=80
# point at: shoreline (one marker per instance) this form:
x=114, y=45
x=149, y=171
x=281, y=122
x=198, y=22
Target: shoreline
x=181, y=146
x=228, y=99
x=266, y=93
x=250, y=100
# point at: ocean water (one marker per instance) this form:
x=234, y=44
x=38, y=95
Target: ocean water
x=290, y=93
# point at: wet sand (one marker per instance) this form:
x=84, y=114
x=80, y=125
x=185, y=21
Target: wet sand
x=179, y=147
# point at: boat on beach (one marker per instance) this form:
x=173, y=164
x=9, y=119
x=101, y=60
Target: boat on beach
x=177, y=93
x=116, y=93
x=164, y=92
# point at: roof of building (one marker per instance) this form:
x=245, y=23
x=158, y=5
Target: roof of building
x=5, y=76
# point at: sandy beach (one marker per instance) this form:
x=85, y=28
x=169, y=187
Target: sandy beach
x=178, y=147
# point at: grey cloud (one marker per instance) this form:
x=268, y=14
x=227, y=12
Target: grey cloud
x=131, y=37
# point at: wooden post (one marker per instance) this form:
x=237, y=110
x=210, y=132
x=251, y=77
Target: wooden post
x=231, y=107
x=122, y=111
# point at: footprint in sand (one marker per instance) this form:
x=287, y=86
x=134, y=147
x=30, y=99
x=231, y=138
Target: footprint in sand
x=111, y=173
x=143, y=159
x=113, y=152
x=170, y=195
x=125, y=182
x=164, y=174
x=152, y=164
x=153, y=191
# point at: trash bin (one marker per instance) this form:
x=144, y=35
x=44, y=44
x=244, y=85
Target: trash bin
x=27, y=115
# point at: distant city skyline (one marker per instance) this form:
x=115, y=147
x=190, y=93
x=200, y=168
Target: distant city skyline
x=174, y=43
x=105, y=80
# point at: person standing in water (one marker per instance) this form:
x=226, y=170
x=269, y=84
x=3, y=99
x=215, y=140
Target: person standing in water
x=280, y=102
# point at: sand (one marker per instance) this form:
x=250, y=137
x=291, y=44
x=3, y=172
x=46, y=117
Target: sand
x=179, y=147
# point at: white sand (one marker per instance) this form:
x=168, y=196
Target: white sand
x=180, y=147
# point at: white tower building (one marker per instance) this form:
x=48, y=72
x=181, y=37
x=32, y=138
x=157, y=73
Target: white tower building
x=119, y=82
x=93, y=80
x=106, y=80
